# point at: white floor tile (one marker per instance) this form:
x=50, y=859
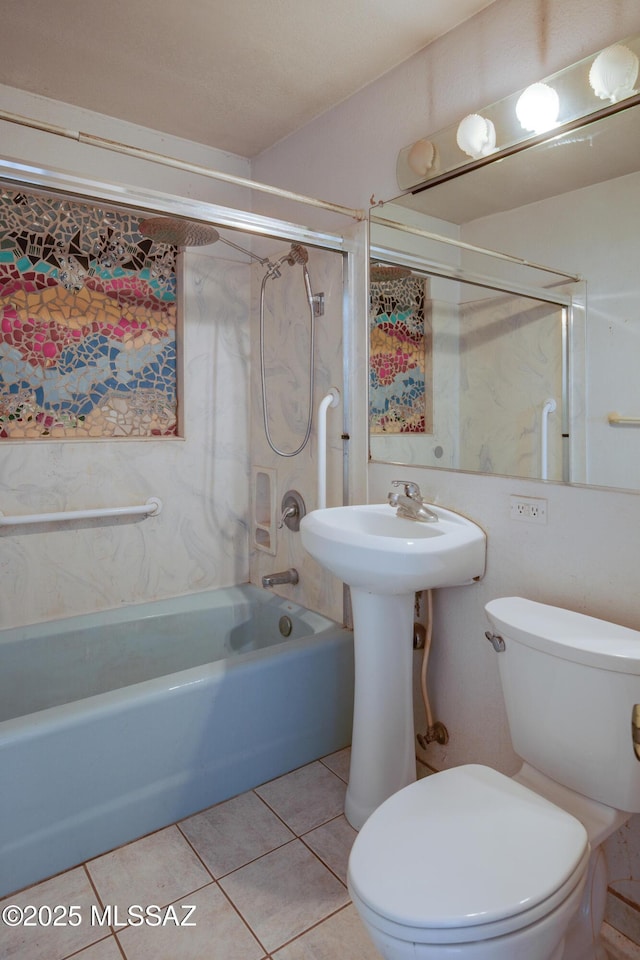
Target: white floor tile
x=332, y=842
x=339, y=763
x=284, y=893
x=104, y=950
x=154, y=870
x=306, y=797
x=43, y=941
x=341, y=936
x=218, y=934
x=235, y=832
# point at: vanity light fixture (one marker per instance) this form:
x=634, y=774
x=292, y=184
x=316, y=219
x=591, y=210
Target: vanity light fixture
x=579, y=93
x=476, y=136
x=538, y=107
x=613, y=73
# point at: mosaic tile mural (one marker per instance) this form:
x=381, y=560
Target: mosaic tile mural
x=87, y=323
x=400, y=356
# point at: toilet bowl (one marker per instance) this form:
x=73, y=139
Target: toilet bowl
x=470, y=864
x=473, y=865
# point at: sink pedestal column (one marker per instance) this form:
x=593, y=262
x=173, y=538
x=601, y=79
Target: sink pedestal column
x=382, y=748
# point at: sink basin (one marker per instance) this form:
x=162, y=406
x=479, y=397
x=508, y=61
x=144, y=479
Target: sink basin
x=369, y=546
x=385, y=559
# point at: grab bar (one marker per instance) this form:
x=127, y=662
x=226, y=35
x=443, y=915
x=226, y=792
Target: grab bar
x=548, y=408
x=152, y=508
x=331, y=400
x=616, y=418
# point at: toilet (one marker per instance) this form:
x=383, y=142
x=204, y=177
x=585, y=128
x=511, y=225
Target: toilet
x=474, y=865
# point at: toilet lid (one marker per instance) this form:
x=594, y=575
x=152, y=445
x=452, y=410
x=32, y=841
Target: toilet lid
x=464, y=847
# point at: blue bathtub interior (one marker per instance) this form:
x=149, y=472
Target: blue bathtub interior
x=50, y=664
x=141, y=716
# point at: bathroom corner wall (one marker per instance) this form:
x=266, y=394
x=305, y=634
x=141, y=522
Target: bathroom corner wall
x=199, y=541
x=286, y=339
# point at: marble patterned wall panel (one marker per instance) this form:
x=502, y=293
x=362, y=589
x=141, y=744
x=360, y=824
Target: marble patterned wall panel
x=286, y=362
x=511, y=363
x=199, y=541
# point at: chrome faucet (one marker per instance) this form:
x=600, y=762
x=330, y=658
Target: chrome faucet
x=410, y=503
x=275, y=579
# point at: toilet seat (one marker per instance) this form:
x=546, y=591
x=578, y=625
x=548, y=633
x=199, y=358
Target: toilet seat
x=467, y=854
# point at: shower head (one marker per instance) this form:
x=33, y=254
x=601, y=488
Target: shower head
x=186, y=233
x=178, y=233
x=297, y=254
x=380, y=272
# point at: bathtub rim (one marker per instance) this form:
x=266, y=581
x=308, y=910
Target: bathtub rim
x=239, y=594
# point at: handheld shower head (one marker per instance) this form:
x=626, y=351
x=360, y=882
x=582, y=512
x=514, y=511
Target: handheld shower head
x=297, y=254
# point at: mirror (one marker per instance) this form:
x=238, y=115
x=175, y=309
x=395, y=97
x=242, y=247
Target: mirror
x=530, y=266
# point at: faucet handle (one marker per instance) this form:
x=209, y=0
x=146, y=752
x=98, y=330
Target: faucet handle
x=411, y=489
x=293, y=510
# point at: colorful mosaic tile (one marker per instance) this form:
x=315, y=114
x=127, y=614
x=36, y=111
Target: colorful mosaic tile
x=400, y=348
x=87, y=323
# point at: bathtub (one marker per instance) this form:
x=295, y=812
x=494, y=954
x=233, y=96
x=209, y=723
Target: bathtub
x=116, y=724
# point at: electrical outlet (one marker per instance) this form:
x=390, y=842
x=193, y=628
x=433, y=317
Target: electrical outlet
x=529, y=509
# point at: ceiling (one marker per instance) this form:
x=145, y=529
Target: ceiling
x=239, y=75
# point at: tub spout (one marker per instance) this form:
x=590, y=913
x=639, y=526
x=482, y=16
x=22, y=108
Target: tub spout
x=286, y=576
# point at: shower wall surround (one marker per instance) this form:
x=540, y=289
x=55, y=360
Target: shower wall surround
x=200, y=539
x=286, y=323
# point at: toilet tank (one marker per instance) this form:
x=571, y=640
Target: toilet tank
x=571, y=684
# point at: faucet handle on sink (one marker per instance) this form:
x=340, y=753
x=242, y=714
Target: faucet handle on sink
x=411, y=489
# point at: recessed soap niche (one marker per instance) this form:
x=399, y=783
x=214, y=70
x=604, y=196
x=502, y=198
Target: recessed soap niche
x=264, y=509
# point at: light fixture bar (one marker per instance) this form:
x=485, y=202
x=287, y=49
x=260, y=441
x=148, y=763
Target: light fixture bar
x=601, y=84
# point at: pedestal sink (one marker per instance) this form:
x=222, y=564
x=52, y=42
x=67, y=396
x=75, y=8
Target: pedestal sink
x=385, y=559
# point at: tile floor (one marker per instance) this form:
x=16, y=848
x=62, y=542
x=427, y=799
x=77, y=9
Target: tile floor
x=265, y=871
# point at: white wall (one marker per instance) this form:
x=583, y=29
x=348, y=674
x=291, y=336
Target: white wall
x=588, y=555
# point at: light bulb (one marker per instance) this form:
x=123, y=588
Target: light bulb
x=476, y=136
x=421, y=157
x=538, y=107
x=613, y=73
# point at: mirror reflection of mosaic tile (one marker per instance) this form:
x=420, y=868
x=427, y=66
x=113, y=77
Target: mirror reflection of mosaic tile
x=399, y=350
x=87, y=323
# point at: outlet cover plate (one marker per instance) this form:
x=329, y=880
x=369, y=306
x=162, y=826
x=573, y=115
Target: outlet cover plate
x=528, y=509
